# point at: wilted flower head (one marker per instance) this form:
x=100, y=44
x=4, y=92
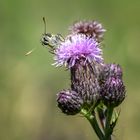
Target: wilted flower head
x=113, y=91
x=69, y=102
x=92, y=29
x=78, y=47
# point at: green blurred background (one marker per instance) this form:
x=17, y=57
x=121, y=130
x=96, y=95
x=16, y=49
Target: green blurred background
x=28, y=85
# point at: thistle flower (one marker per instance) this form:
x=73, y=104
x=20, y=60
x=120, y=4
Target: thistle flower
x=92, y=29
x=92, y=81
x=69, y=102
x=78, y=47
x=113, y=92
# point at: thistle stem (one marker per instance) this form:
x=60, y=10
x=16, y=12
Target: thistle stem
x=93, y=121
x=101, y=115
x=108, y=130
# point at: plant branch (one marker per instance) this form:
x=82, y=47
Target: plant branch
x=93, y=121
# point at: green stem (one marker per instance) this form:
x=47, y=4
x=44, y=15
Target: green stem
x=101, y=115
x=93, y=121
x=108, y=130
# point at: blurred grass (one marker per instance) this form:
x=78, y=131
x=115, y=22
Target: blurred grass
x=28, y=85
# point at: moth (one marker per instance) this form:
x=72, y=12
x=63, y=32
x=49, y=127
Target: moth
x=48, y=39
x=51, y=40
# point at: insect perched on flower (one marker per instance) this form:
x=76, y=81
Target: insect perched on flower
x=51, y=40
x=48, y=39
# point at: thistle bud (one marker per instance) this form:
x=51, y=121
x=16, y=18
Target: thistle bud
x=110, y=70
x=113, y=92
x=69, y=102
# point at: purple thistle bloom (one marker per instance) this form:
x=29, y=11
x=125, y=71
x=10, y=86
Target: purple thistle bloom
x=78, y=47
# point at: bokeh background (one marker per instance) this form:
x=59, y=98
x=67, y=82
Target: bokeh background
x=28, y=84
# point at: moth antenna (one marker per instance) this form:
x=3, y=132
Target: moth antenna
x=44, y=25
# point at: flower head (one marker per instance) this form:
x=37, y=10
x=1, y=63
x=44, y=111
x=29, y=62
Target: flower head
x=91, y=28
x=113, y=91
x=110, y=70
x=84, y=81
x=77, y=47
x=69, y=102
x=114, y=70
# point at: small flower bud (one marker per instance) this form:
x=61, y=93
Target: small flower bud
x=69, y=102
x=113, y=92
x=92, y=29
x=110, y=70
